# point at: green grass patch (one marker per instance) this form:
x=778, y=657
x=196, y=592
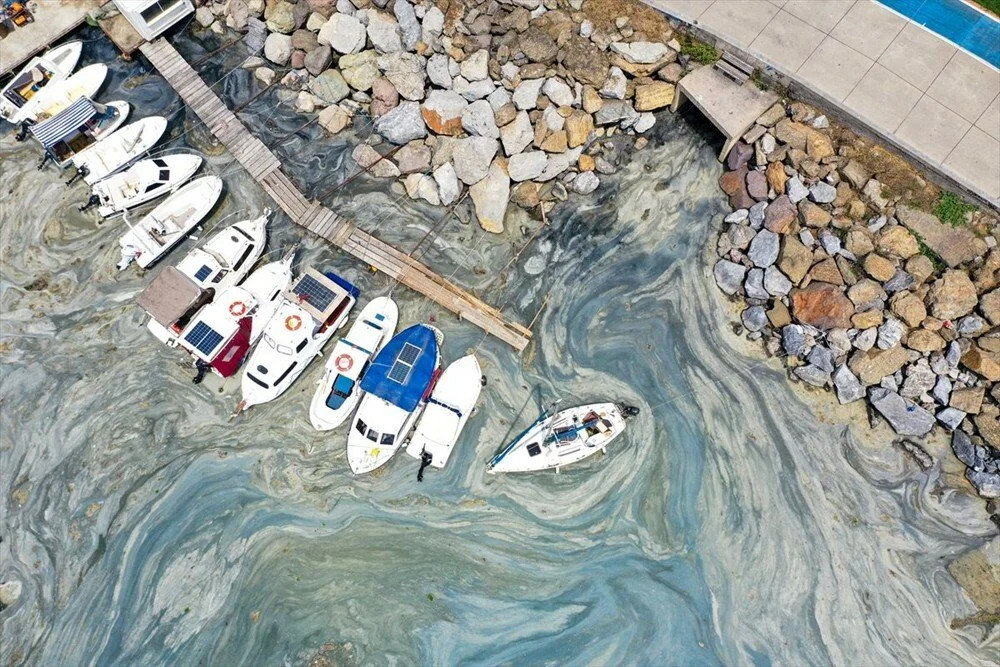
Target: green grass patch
x=926, y=251
x=699, y=50
x=951, y=210
x=991, y=5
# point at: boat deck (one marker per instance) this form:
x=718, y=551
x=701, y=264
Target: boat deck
x=265, y=168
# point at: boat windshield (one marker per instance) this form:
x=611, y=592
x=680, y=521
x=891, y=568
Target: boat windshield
x=278, y=347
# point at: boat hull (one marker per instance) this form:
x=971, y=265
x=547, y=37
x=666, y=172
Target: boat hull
x=131, y=187
x=449, y=408
x=59, y=63
x=120, y=148
x=55, y=97
x=365, y=455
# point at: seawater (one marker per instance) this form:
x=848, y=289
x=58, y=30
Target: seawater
x=728, y=526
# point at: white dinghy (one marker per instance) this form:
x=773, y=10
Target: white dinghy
x=121, y=147
x=448, y=408
x=56, y=96
x=307, y=317
x=51, y=67
x=221, y=335
x=142, y=182
x=338, y=392
x=396, y=387
x=78, y=128
x=163, y=227
x=563, y=438
x=219, y=263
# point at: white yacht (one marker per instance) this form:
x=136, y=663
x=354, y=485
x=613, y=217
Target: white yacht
x=78, y=128
x=307, y=317
x=58, y=95
x=338, y=393
x=51, y=67
x=119, y=148
x=142, y=182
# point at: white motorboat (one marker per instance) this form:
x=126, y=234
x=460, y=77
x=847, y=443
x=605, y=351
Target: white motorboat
x=221, y=335
x=52, y=67
x=572, y=435
x=120, y=148
x=142, y=182
x=396, y=385
x=307, y=317
x=163, y=227
x=448, y=408
x=56, y=96
x=78, y=128
x=338, y=392
x=219, y=263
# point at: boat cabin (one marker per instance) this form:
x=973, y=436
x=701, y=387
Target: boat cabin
x=208, y=265
x=75, y=128
x=173, y=299
x=29, y=82
x=221, y=334
x=325, y=296
x=150, y=18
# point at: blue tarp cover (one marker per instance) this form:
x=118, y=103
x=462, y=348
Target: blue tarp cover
x=69, y=120
x=415, y=369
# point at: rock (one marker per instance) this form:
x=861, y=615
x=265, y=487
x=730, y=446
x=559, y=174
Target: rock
x=281, y=17
x=969, y=400
x=472, y=158
x=964, y=450
x=952, y=295
x=443, y=111
x=793, y=340
x=592, y=100
x=475, y=67
x=305, y=102
x=517, y=134
x=873, y=190
x=557, y=91
x=897, y=242
x=205, y=17
x=890, y=333
x=447, y=183
x=383, y=31
x=775, y=282
x=304, y=40
x=584, y=61
x=812, y=215
x=849, y=388
x=585, y=183
x=414, y=157
x=319, y=59
x=555, y=142
x=987, y=484
x=872, y=365
x=810, y=374
x=371, y=160
x=330, y=86
x=359, y=70
x=909, y=308
x=313, y=23
x=878, y=267
x=433, y=22
x=818, y=145
x=578, y=127
x=772, y=115
x=764, y=248
x=406, y=72
x=422, y=186
x=438, y=70
x=526, y=166
x=323, y=7
x=822, y=305
x=265, y=75
x=776, y=177
x=821, y=357
x=954, y=245
x=920, y=379
x=733, y=183
x=905, y=416
x=478, y=119
x=409, y=27
x=779, y=316
x=865, y=340
x=794, y=260
x=822, y=193
x=923, y=340
x=739, y=155
x=526, y=94
x=942, y=390
x=384, y=97
x=490, y=196
x=343, y=33
x=475, y=90
x=615, y=86
x=796, y=190
x=333, y=119
x=729, y=276
x=537, y=45
x=900, y=280
x=643, y=53
x=754, y=285
x=780, y=215
x=854, y=172
x=278, y=48
x=757, y=185
x=982, y=362
x=402, y=124
x=826, y=271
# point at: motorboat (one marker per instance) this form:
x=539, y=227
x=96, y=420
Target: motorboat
x=78, y=128
x=309, y=314
x=396, y=385
x=56, y=96
x=447, y=410
x=221, y=335
x=119, y=149
x=219, y=263
x=565, y=437
x=51, y=67
x=142, y=182
x=163, y=227
x=338, y=392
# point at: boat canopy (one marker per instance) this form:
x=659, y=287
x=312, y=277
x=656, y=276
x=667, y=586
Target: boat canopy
x=404, y=368
x=169, y=296
x=66, y=122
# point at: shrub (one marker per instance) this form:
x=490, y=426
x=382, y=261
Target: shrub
x=699, y=51
x=951, y=209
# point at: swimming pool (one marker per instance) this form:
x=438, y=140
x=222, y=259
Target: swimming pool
x=969, y=28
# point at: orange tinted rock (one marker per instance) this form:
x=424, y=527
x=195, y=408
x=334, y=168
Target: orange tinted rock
x=823, y=306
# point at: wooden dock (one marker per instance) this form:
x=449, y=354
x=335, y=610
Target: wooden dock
x=265, y=168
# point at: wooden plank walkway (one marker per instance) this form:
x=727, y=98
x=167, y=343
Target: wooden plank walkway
x=265, y=168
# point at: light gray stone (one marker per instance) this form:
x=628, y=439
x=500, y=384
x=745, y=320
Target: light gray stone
x=422, y=186
x=849, y=388
x=409, y=27
x=865, y=340
x=499, y=98
x=920, y=379
x=330, y=86
x=406, y=72
x=490, y=197
x=793, y=340
x=525, y=96
x=822, y=193
x=905, y=416
x=476, y=66
x=433, y=21
x=830, y=243
x=754, y=285
x=812, y=375
x=729, y=275
x=739, y=215
x=402, y=124
x=586, y=183
x=890, y=333
x=942, y=389
x=478, y=119
x=764, y=248
x=951, y=418
x=754, y=318
x=615, y=85
x=822, y=357
x=517, y=134
x=278, y=48
x=526, y=166
x=558, y=92
x=616, y=111
x=447, y=181
x=645, y=122
x=472, y=157
x=473, y=90
x=343, y=33
x=795, y=190
x=437, y=70
x=383, y=32
x=755, y=214
x=641, y=53
x=970, y=325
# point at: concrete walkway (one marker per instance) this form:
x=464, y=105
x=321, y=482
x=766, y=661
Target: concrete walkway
x=918, y=90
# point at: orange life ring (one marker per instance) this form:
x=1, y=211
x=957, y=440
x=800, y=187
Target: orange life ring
x=293, y=322
x=344, y=362
x=237, y=308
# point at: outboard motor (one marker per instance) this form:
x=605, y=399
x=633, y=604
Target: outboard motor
x=93, y=201
x=22, y=132
x=425, y=460
x=629, y=410
x=203, y=368
x=82, y=171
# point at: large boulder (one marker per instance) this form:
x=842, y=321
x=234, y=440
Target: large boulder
x=442, y=111
x=343, y=33
x=905, y=416
x=472, y=157
x=952, y=295
x=383, y=31
x=823, y=306
x=402, y=124
x=584, y=61
x=490, y=196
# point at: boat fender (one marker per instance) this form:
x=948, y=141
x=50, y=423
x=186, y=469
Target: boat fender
x=482, y=380
x=344, y=362
x=425, y=460
x=237, y=308
x=293, y=322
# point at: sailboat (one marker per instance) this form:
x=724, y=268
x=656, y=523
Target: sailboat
x=122, y=147
x=58, y=95
x=307, y=317
x=448, y=409
x=338, y=392
x=142, y=182
x=51, y=67
x=396, y=385
x=565, y=437
x=163, y=227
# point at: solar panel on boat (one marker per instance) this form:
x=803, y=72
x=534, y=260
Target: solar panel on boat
x=203, y=273
x=404, y=363
x=318, y=296
x=409, y=354
x=203, y=338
